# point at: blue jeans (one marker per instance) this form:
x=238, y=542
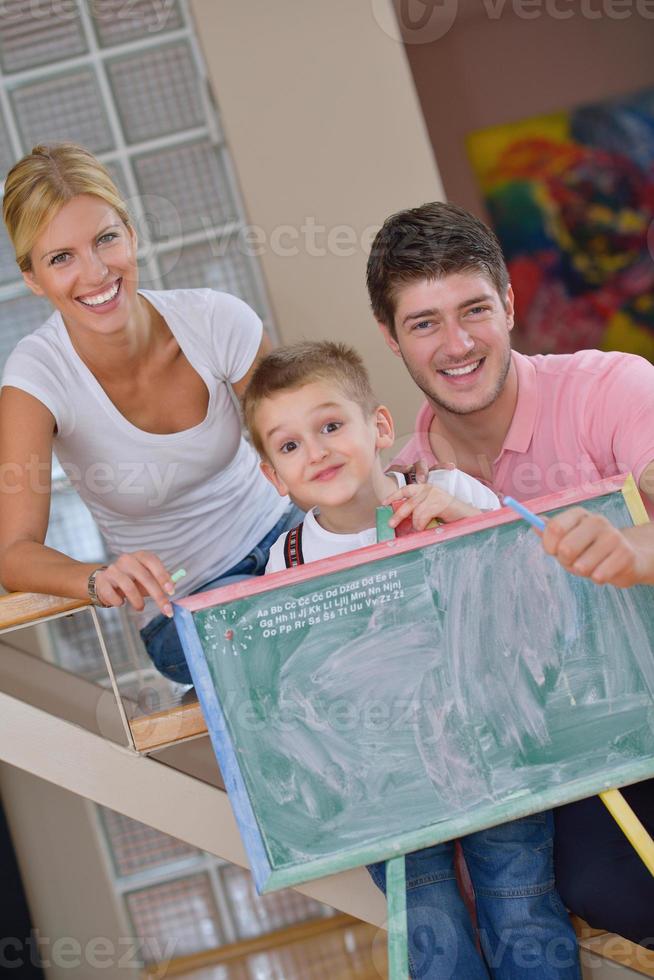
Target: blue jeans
x=524, y=930
x=160, y=635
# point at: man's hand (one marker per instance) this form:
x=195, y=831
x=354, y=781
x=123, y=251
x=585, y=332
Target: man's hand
x=590, y=546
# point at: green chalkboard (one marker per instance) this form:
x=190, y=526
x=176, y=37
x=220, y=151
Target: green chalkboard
x=421, y=695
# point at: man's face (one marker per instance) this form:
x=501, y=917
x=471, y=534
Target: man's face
x=453, y=335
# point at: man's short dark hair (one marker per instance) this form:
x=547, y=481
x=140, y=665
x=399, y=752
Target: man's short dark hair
x=430, y=242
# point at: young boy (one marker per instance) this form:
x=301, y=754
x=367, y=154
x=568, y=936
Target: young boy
x=319, y=430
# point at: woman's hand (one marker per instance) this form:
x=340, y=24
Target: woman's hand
x=425, y=502
x=133, y=576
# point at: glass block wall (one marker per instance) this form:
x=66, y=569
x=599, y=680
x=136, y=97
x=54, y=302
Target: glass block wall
x=127, y=81
x=172, y=891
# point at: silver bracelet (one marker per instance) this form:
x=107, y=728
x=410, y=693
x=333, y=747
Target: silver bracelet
x=90, y=587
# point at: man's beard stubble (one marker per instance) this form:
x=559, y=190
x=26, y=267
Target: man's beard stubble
x=438, y=402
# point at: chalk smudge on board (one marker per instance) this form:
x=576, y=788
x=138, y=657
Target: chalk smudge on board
x=489, y=660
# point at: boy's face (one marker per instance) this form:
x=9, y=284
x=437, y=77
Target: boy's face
x=320, y=447
x=453, y=335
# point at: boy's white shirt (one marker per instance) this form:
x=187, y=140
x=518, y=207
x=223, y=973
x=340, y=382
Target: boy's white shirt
x=318, y=543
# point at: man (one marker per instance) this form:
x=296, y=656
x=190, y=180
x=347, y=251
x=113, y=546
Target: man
x=527, y=426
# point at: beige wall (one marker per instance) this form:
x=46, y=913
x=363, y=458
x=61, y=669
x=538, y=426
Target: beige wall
x=66, y=882
x=488, y=70
x=321, y=116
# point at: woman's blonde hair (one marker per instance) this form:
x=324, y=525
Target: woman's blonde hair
x=39, y=185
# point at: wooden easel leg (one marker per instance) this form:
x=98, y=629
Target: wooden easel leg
x=398, y=949
x=630, y=826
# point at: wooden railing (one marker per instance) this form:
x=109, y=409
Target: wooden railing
x=168, y=726
x=312, y=942
x=333, y=947
x=23, y=608
x=175, y=723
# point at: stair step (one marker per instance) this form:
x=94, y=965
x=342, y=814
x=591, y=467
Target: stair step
x=614, y=948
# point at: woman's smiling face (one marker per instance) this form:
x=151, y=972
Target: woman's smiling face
x=84, y=263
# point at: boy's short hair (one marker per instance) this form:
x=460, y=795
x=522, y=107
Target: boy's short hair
x=296, y=365
x=429, y=242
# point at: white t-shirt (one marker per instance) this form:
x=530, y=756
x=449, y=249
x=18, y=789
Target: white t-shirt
x=318, y=543
x=197, y=498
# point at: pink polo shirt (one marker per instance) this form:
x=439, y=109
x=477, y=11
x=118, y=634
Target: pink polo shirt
x=579, y=418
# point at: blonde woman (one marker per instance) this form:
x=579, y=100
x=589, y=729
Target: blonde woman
x=133, y=391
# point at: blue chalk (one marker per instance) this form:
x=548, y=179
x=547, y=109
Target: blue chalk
x=532, y=519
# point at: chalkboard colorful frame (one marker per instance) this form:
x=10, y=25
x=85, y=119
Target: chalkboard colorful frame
x=468, y=680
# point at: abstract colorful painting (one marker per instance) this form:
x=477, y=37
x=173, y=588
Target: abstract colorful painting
x=571, y=197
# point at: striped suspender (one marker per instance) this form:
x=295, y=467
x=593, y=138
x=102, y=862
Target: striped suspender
x=293, y=547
